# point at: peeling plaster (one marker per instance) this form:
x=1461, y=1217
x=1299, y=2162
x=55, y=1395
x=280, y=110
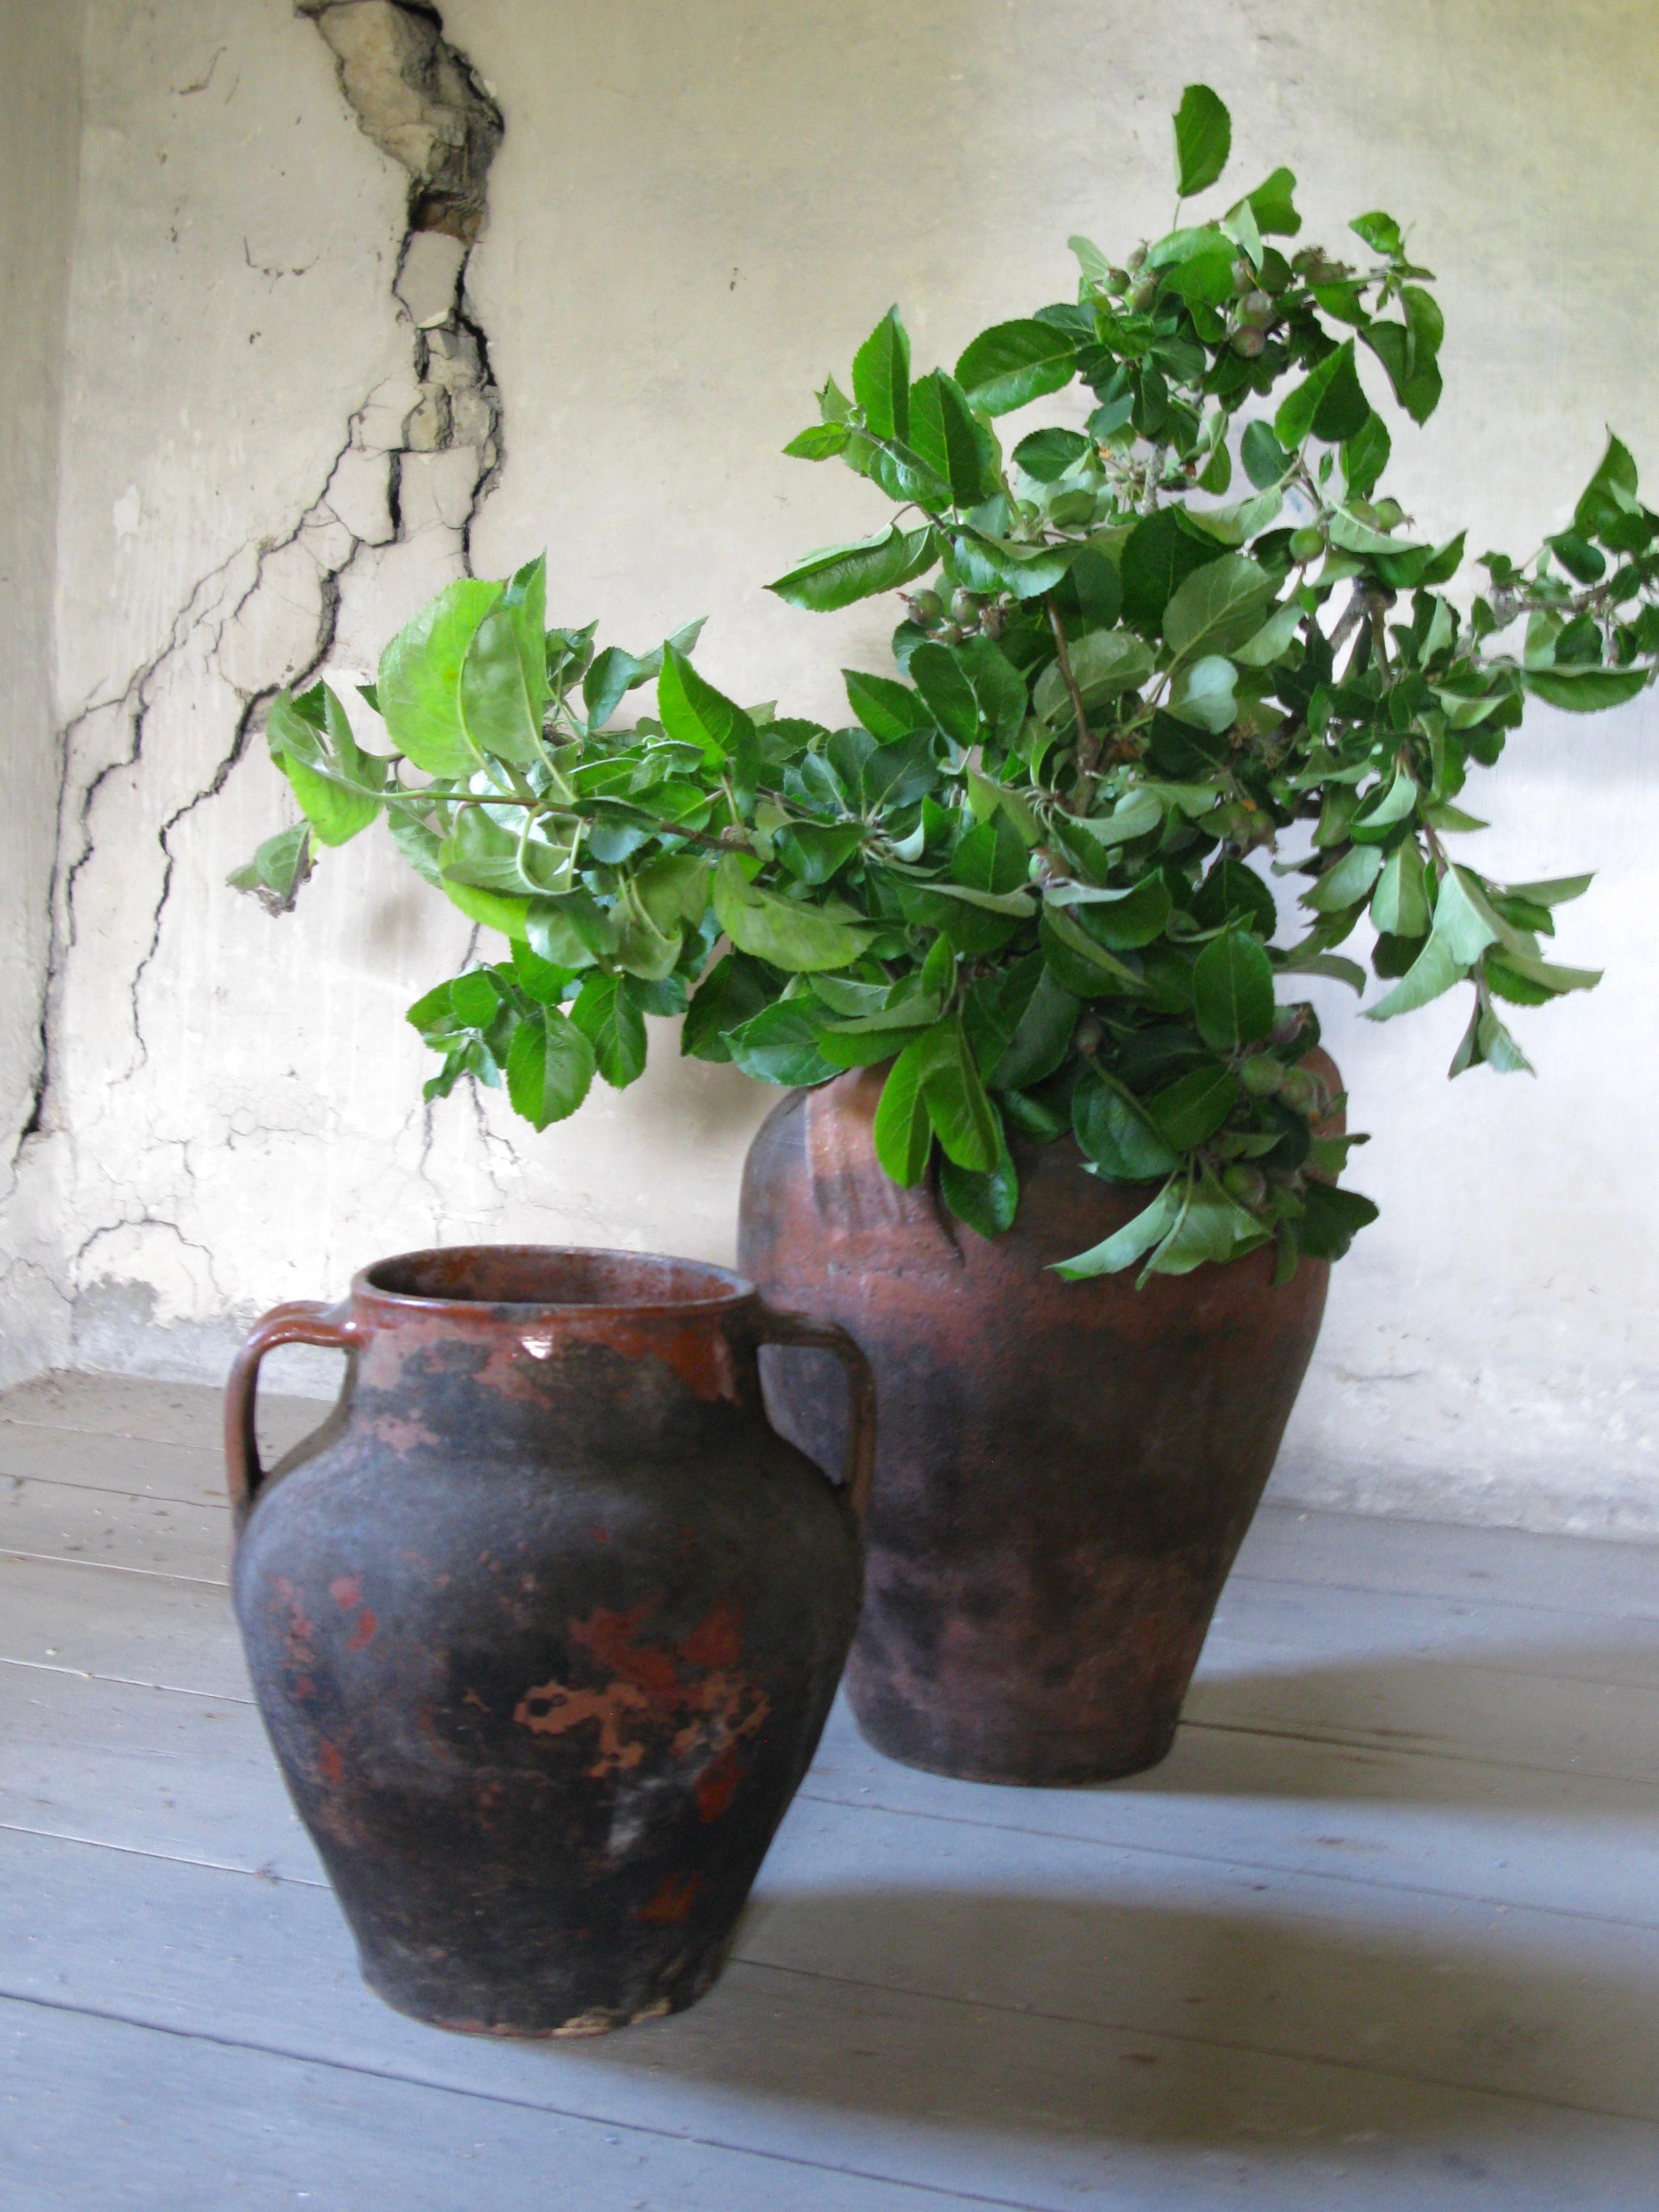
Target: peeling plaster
x=420, y=452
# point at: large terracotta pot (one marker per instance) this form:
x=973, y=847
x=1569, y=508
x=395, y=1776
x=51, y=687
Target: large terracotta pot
x=544, y=1622
x=1065, y=1470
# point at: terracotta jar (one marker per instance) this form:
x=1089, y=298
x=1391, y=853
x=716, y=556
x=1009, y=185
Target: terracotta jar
x=544, y=1621
x=1065, y=1470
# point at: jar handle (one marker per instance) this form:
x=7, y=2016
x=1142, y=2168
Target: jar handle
x=306, y=1320
x=805, y=1333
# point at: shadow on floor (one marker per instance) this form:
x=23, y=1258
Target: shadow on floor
x=1074, y=2018
x=1566, y=1729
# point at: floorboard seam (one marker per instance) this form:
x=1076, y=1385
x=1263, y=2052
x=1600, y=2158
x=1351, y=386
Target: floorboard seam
x=1332, y=1875
x=266, y=1873
x=1363, y=2070
x=1140, y=2030
x=109, y=1567
x=129, y=1682
x=420, y=2080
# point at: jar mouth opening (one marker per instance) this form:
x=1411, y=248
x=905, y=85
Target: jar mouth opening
x=551, y=1278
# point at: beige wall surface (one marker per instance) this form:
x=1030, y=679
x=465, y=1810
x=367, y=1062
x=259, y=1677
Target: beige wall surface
x=696, y=212
x=40, y=150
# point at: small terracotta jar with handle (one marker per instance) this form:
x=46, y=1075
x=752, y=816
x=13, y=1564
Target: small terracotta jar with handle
x=545, y=1621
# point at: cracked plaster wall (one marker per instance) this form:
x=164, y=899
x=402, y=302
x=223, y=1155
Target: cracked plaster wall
x=692, y=213
x=39, y=148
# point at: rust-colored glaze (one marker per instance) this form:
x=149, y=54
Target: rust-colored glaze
x=1066, y=1470
x=544, y=1622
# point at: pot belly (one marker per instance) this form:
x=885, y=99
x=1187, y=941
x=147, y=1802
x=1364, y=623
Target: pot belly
x=1065, y=1470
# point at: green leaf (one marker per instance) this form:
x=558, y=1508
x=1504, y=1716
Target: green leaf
x=1271, y=205
x=902, y=1130
x=1216, y=607
x=694, y=713
x=1121, y=920
x=1203, y=139
x=1329, y=404
x=504, y=691
x=819, y=441
x=1103, y=664
x=1193, y=1108
x=1365, y=456
x=1137, y=813
x=732, y=993
x=607, y=1011
x=1583, y=689
x=1090, y=259
x=550, y=1068
x=278, y=869
x=881, y=379
x=491, y=909
x=1159, y=554
x=1047, y=454
x=1273, y=640
x=962, y=1116
x=1379, y=232
x=944, y=686
x=801, y=939
x=986, y=1200
x=951, y=441
x=1348, y=883
x=1000, y=691
x=1114, y=1134
x=1013, y=363
x=1584, y=563
x=336, y=790
x=1042, y=1035
x=1399, y=905
x=1204, y=694
x=1556, y=891
x=1233, y=991
x=1464, y=919
x=1610, y=495
x=1384, y=808
x=888, y=710
x=1130, y=1243
x=1436, y=968
x=1413, y=373
x=1546, y=973
x=839, y=574
x=779, y=1045
x=994, y=564
x=1332, y=1220
x=418, y=685
x=1266, y=460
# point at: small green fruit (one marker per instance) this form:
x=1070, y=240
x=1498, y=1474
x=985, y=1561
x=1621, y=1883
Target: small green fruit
x=1257, y=306
x=1248, y=342
x=1302, y=1091
x=965, y=608
x=926, y=608
x=1262, y=1076
x=1287, y=1025
x=1245, y=1184
x=992, y=620
x=1306, y=544
x=949, y=633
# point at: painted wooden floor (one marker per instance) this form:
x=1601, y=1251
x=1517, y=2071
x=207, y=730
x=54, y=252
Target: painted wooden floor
x=1382, y=1932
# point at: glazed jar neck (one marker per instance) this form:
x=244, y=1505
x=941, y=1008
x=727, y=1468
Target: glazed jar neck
x=592, y=1385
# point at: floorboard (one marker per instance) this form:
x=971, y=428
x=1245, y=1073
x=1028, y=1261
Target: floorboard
x=1384, y=1929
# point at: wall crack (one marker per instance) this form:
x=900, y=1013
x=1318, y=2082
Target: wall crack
x=420, y=102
